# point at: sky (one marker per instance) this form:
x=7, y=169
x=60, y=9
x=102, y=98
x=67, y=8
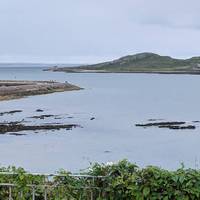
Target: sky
x=89, y=31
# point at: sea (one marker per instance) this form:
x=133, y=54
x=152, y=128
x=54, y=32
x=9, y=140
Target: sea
x=106, y=110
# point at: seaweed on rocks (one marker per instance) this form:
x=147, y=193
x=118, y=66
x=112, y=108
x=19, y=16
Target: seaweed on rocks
x=161, y=124
x=7, y=128
x=170, y=125
x=10, y=112
x=42, y=116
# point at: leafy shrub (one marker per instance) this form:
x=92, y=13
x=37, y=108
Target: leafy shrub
x=119, y=181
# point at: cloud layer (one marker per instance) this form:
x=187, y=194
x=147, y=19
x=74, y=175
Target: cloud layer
x=95, y=30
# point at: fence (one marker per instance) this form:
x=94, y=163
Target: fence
x=52, y=184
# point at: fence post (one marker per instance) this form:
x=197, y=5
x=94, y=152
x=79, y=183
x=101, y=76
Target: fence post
x=45, y=193
x=92, y=193
x=21, y=194
x=33, y=193
x=10, y=193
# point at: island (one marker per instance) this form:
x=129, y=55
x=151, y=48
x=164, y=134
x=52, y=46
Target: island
x=139, y=63
x=10, y=89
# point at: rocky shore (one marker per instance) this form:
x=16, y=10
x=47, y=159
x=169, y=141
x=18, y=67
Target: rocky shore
x=18, y=89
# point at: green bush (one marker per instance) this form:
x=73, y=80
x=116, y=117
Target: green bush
x=127, y=181
x=119, y=181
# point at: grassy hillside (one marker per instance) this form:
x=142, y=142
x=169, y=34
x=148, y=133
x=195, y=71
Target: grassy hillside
x=143, y=62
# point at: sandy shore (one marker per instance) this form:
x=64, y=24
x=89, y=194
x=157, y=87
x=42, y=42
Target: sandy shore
x=18, y=89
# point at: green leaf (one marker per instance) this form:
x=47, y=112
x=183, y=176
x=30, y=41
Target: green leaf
x=166, y=198
x=181, y=179
x=146, y=191
x=175, y=178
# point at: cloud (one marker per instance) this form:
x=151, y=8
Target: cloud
x=97, y=29
x=172, y=14
x=171, y=24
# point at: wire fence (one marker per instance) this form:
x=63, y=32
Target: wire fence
x=53, y=186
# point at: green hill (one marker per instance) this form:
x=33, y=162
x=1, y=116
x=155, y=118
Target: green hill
x=141, y=63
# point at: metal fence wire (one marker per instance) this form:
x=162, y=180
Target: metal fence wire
x=53, y=187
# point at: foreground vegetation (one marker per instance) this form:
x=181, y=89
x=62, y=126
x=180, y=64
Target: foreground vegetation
x=119, y=181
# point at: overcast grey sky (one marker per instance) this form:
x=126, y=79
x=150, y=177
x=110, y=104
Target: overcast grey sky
x=77, y=31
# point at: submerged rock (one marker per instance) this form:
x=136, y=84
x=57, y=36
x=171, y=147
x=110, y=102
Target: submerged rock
x=39, y=110
x=42, y=116
x=8, y=128
x=178, y=127
x=107, y=151
x=161, y=124
x=170, y=125
x=10, y=112
x=17, y=134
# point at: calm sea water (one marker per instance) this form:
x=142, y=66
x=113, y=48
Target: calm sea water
x=118, y=102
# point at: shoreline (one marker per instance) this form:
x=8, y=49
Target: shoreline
x=124, y=72
x=10, y=89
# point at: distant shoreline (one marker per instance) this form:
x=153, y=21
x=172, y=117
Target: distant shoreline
x=139, y=63
x=123, y=72
x=10, y=89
